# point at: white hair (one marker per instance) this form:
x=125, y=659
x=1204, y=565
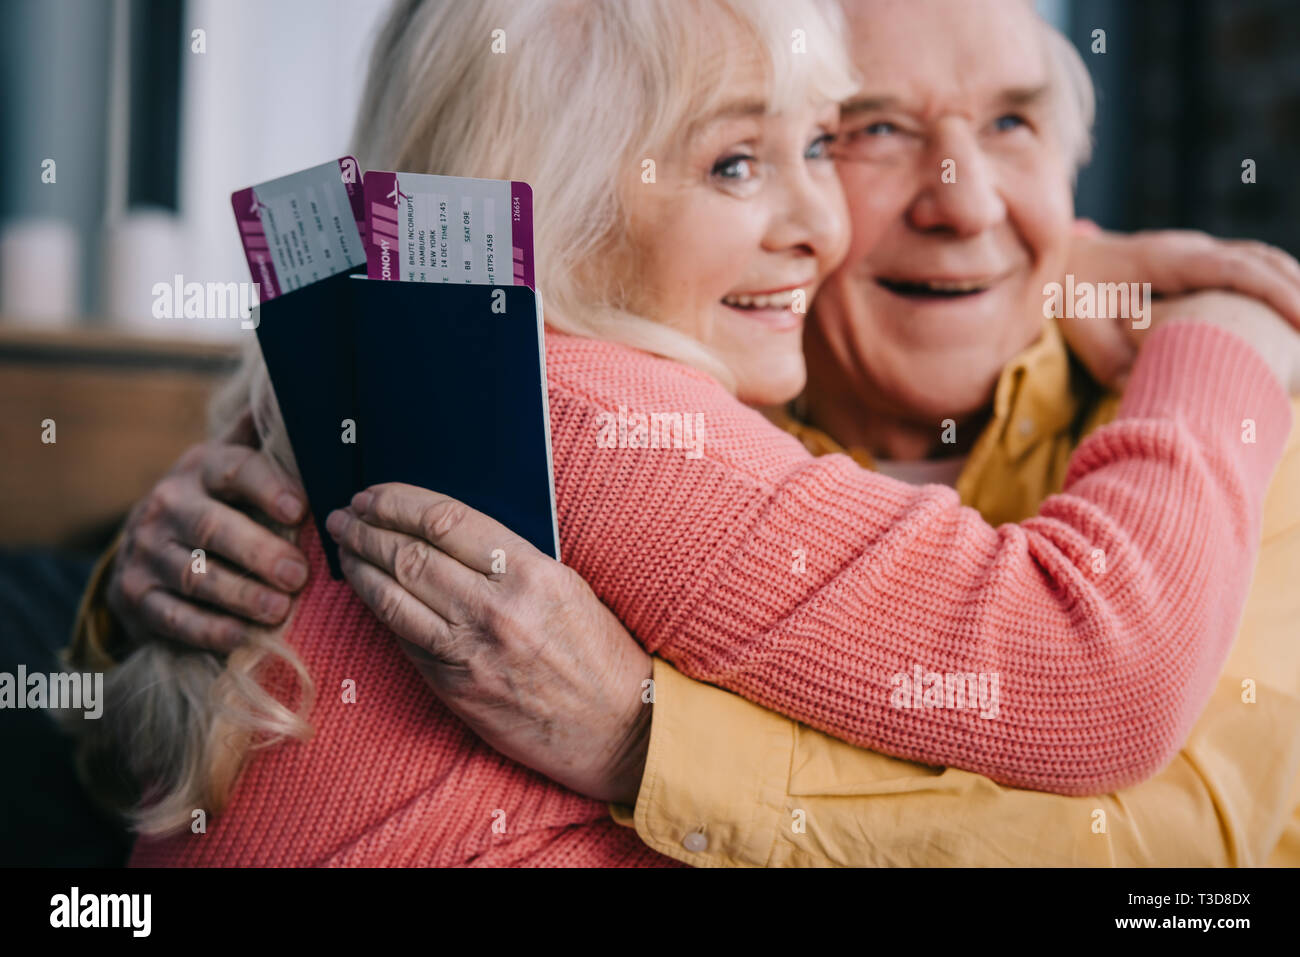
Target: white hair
x=1075, y=96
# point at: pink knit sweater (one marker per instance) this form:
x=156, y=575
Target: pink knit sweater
x=807, y=585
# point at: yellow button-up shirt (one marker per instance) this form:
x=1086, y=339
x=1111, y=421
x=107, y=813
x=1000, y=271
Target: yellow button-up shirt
x=728, y=783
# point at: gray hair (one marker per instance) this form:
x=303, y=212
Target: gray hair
x=1076, y=106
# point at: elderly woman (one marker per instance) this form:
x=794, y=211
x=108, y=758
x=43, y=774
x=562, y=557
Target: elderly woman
x=695, y=557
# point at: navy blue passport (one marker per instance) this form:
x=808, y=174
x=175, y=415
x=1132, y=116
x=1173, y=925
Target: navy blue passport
x=444, y=393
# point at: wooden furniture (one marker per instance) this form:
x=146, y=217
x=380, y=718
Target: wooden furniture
x=124, y=407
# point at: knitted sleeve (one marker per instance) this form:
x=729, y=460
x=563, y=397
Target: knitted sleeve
x=1070, y=653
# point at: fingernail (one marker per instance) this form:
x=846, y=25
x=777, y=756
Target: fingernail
x=290, y=507
x=292, y=573
x=335, y=521
x=361, y=501
x=275, y=605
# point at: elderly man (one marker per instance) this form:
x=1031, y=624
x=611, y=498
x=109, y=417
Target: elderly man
x=929, y=358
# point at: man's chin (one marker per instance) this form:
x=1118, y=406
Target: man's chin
x=948, y=385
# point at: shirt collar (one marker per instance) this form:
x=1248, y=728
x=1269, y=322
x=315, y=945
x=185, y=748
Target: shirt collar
x=1034, y=397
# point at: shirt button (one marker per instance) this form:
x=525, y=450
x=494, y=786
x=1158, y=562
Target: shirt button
x=695, y=842
x=1026, y=427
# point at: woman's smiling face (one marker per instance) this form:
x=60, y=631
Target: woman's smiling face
x=743, y=220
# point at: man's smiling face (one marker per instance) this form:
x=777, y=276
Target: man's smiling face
x=943, y=281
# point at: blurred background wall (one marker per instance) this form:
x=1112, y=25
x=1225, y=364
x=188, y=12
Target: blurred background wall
x=151, y=127
x=1188, y=90
x=126, y=125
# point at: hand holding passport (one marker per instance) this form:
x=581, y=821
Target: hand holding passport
x=427, y=366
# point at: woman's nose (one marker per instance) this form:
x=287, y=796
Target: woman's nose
x=815, y=219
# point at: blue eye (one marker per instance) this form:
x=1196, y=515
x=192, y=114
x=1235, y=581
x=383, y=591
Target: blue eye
x=820, y=147
x=733, y=167
x=881, y=128
x=1008, y=122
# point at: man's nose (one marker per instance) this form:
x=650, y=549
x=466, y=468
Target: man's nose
x=959, y=192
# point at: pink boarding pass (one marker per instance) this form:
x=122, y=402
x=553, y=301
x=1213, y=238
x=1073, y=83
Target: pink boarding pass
x=426, y=228
x=303, y=227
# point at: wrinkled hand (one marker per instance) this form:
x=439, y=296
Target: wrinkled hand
x=249, y=571
x=513, y=642
x=1174, y=262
